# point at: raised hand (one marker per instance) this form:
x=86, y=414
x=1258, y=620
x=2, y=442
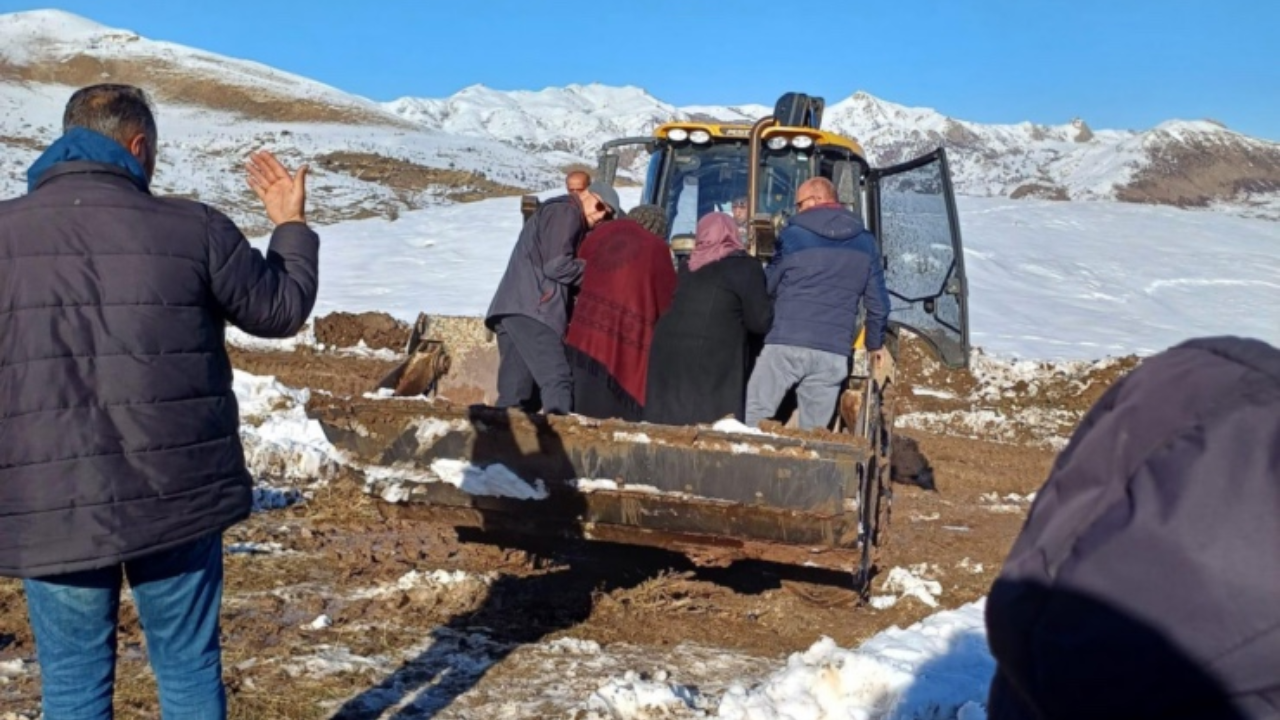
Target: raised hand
x=284, y=196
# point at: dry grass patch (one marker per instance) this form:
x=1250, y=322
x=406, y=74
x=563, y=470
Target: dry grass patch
x=172, y=82
x=26, y=143
x=1196, y=174
x=406, y=176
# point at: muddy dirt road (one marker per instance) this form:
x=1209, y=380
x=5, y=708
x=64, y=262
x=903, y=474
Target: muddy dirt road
x=333, y=611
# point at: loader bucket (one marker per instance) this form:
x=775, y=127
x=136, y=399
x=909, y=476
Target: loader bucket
x=715, y=496
x=795, y=498
x=472, y=375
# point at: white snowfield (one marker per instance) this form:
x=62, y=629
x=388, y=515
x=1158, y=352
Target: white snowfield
x=939, y=668
x=1047, y=280
x=201, y=152
x=201, y=149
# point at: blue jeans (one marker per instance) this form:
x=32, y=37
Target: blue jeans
x=177, y=592
x=816, y=375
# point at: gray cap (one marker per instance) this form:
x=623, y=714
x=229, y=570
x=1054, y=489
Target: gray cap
x=608, y=195
x=651, y=217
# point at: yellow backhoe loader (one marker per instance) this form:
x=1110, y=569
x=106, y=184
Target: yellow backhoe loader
x=817, y=498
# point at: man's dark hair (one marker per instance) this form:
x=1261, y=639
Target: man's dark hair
x=117, y=111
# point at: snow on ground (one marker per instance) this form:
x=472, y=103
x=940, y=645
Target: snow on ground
x=937, y=669
x=243, y=340
x=254, y=548
x=201, y=151
x=553, y=678
x=1046, y=427
x=10, y=669
x=432, y=582
x=283, y=448
x=1011, y=400
x=1012, y=503
x=997, y=378
x=1050, y=281
x=445, y=260
x=914, y=582
x=939, y=665
x=1085, y=280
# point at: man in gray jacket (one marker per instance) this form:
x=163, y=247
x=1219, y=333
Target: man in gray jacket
x=121, y=454
x=530, y=310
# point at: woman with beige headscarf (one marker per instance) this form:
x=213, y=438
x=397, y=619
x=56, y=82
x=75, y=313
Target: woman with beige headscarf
x=700, y=358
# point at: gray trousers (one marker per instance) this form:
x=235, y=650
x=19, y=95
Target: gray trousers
x=531, y=354
x=817, y=376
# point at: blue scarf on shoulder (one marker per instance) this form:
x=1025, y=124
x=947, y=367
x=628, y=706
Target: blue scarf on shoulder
x=79, y=144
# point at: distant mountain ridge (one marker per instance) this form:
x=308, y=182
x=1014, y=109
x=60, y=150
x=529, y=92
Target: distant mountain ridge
x=1184, y=163
x=382, y=158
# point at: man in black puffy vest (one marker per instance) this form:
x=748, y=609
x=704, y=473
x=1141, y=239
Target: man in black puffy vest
x=120, y=453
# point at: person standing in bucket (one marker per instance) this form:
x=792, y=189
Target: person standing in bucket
x=700, y=356
x=576, y=182
x=121, y=456
x=530, y=310
x=627, y=285
x=826, y=264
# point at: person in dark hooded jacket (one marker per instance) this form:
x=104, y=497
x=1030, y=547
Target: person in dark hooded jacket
x=700, y=356
x=1144, y=583
x=825, y=265
x=120, y=452
x=530, y=309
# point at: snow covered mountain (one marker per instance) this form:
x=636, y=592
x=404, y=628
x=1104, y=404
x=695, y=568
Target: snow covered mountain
x=380, y=159
x=1183, y=163
x=570, y=122
x=213, y=110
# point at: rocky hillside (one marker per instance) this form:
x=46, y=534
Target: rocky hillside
x=380, y=159
x=213, y=110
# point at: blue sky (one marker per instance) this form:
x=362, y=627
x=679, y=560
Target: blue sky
x=1116, y=63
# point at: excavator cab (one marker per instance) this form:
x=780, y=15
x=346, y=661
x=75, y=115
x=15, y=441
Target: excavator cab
x=695, y=168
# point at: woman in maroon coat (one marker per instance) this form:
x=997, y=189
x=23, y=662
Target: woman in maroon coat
x=628, y=282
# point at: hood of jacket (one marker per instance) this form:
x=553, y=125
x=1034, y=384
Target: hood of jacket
x=81, y=145
x=829, y=221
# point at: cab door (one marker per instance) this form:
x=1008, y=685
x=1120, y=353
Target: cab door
x=611, y=153
x=912, y=211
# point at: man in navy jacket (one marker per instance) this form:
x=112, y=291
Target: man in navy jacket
x=121, y=454
x=826, y=264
